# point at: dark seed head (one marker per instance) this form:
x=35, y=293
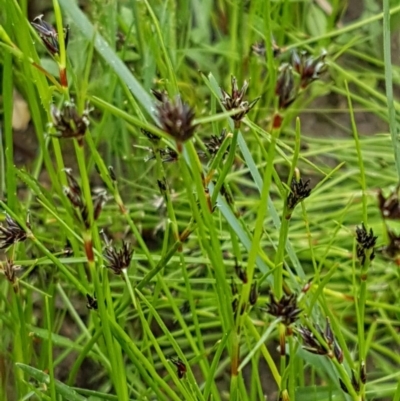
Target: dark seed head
x=91, y=302
x=180, y=367
x=354, y=382
x=343, y=386
x=9, y=270
x=67, y=121
x=259, y=48
x=168, y=155
x=253, y=294
x=285, y=308
x=159, y=95
x=162, y=185
x=233, y=287
x=311, y=343
x=308, y=67
x=365, y=243
x=215, y=142
x=392, y=250
x=11, y=233
x=99, y=197
x=74, y=194
x=111, y=171
x=118, y=260
x=240, y=272
x=235, y=101
x=49, y=35
x=299, y=190
x=338, y=352
x=328, y=334
x=176, y=118
x=285, y=87
x=389, y=206
x=150, y=136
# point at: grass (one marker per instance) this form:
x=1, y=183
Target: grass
x=233, y=281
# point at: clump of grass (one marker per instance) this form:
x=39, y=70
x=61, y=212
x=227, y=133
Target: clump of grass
x=229, y=230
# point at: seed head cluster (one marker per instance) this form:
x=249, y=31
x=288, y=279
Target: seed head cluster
x=285, y=308
x=235, y=101
x=74, y=193
x=118, y=260
x=67, y=121
x=308, y=67
x=365, y=243
x=328, y=346
x=215, y=142
x=175, y=117
x=49, y=35
x=299, y=190
x=9, y=269
x=11, y=233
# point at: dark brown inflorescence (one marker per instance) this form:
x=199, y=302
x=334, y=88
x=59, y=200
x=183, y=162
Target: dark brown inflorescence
x=118, y=260
x=235, y=101
x=168, y=155
x=328, y=347
x=365, y=243
x=392, y=250
x=299, y=190
x=11, y=233
x=286, y=308
x=259, y=48
x=9, y=270
x=99, y=199
x=215, y=143
x=308, y=67
x=253, y=296
x=91, y=302
x=285, y=87
x=49, y=35
x=150, y=136
x=68, y=122
x=390, y=206
x=175, y=117
x=180, y=367
x=74, y=193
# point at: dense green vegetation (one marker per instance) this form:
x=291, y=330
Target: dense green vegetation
x=211, y=212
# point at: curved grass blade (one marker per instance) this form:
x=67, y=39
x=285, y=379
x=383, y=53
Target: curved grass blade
x=61, y=388
x=110, y=57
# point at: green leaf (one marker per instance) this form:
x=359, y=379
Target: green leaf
x=62, y=389
x=318, y=393
x=316, y=21
x=110, y=57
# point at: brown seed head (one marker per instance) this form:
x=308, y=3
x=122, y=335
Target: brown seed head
x=285, y=87
x=311, y=343
x=389, y=206
x=118, y=260
x=11, y=233
x=91, y=302
x=299, y=190
x=215, y=142
x=67, y=121
x=180, y=367
x=235, y=101
x=9, y=270
x=176, y=118
x=259, y=48
x=365, y=243
x=285, y=308
x=49, y=35
x=308, y=67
